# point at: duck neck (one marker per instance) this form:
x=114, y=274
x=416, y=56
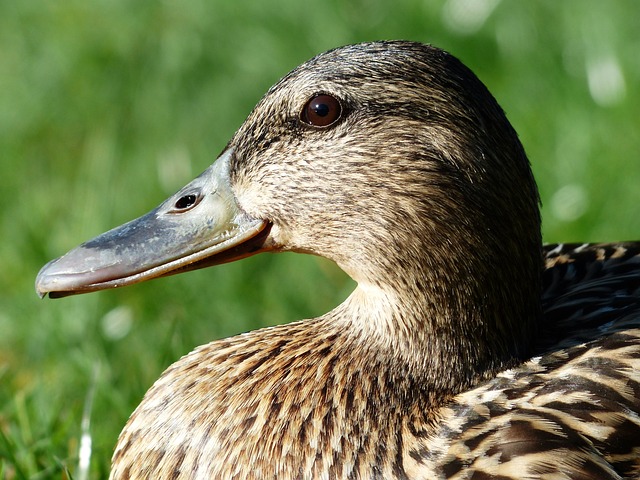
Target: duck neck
x=445, y=336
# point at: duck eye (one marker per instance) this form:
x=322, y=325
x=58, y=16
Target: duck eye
x=321, y=111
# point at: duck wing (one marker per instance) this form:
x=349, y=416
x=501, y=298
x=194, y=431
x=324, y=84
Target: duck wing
x=590, y=286
x=573, y=410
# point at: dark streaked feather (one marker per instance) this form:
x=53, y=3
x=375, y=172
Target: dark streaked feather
x=573, y=408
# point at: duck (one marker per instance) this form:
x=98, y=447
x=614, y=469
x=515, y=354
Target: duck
x=467, y=350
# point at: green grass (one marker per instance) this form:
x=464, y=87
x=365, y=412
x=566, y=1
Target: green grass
x=107, y=107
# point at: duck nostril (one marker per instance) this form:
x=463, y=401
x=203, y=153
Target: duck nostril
x=186, y=202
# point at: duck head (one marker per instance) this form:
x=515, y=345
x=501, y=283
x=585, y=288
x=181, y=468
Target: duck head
x=391, y=159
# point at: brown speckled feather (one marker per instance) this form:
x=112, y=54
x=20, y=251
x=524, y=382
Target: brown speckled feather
x=571, y=411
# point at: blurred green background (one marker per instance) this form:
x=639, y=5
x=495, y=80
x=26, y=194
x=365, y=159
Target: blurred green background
x=109, y=106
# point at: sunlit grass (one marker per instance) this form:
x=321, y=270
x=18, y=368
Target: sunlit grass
x=108, y=107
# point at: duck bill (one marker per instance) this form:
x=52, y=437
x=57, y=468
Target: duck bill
x=199, y=226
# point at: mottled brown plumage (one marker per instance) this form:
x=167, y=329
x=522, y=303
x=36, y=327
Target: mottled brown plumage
x=460, y=354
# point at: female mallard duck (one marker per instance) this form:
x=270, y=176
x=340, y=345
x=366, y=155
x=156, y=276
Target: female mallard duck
x=460, y=354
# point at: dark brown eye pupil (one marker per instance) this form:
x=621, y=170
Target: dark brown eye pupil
x=321, y=111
